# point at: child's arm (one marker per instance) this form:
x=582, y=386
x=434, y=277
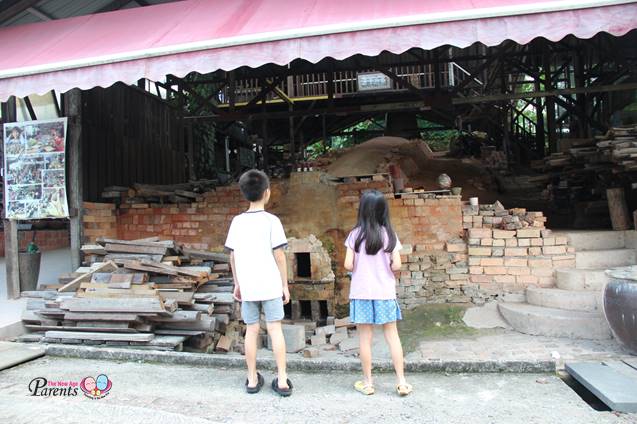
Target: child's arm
x=396, y=263
x=236, y=293
x=349, y=260
x=279, y=257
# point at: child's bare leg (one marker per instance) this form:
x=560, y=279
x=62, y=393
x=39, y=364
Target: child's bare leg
x=278, y=348
x=252, y=332
x=393, y=340
x=365, y=336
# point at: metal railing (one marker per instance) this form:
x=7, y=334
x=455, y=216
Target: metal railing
x=344, y=83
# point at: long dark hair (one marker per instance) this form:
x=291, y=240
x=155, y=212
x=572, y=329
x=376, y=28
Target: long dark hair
x=373, y=216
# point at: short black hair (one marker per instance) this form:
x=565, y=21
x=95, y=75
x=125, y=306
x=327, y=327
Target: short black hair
x=253, y=184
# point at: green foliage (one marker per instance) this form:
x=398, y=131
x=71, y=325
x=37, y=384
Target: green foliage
x=438, y=140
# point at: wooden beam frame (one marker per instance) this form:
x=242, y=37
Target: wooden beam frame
x=11, y=245
x=15, y=8
x=73, y=110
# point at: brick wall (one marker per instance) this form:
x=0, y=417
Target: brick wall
x=45, y=239
x=510, y=249
x=99, y=220
x=451, y=252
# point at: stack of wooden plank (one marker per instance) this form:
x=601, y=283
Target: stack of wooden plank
x=152, y=193
x=153, y=297
x=619, y=146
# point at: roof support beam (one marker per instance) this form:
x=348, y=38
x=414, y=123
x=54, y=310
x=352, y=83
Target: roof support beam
x=16, y=8
x=39, y=14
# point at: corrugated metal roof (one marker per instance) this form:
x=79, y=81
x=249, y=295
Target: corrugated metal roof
x=59, y=9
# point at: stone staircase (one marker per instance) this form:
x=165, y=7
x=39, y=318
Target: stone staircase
x=573, y=308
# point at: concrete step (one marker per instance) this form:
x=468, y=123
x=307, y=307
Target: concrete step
x=581, y=279
x=589, y=301
x=541, y=321
x=604, y=259
x=594, y=240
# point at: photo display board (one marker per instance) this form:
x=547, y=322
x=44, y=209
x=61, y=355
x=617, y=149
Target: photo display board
x=34, y=169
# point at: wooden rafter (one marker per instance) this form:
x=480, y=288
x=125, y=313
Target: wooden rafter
x=15, y=8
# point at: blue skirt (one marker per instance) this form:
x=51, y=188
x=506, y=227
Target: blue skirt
x=365, y=311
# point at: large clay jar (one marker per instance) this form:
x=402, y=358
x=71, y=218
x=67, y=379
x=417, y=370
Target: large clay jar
x=620, y=306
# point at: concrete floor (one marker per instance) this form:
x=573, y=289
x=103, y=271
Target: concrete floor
x=172, y=394
x=54, y=263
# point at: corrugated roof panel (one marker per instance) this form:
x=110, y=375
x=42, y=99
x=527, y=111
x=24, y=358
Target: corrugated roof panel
x=59, y=9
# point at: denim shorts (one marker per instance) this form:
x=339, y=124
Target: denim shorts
x=272, y=309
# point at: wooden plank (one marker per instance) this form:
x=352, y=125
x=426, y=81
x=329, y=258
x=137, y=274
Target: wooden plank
x=100, y=316
x=188, y=271
x=163, y=341
x=136, y=305
x=206, y=308
x=213, y=256
x=136, y=265
x=93, y=249
x=40, y=294
x=180, y=297
x=107, y=329
x=120, y=257
x=179, y=316
x=73, y=285
x=165, y=243
x=177, y=331
x=223, y=298
x=99, y=336
x=204, y=324
x=110, y=295
x=126, y=248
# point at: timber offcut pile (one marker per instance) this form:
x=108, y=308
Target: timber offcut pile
x=149, y=193
x=580, y=173
x=147, y=294
x=620, y=148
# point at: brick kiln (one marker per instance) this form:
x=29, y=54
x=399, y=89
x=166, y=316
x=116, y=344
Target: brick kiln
x=452, y=252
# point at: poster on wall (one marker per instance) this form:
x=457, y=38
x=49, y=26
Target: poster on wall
x=34, y=169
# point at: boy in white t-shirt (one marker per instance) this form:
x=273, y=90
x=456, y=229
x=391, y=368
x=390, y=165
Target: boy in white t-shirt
x=256, y=240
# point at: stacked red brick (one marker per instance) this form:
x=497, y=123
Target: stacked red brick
x=100, y=220
x=510, y=249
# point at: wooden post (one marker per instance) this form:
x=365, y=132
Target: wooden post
x=619, y=216
x=11, y=246
x=73, y=110
x=191, y=154
x=550, y=102
x=264, y=143
x=292, y=145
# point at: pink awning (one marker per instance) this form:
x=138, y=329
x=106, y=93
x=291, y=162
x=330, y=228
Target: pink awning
x=206, y=35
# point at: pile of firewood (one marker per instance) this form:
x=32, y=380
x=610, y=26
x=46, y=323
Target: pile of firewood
x=619, y=146
x=144, y=294
x=149, y=193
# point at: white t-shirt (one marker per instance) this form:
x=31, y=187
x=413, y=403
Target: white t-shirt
x=253, y=236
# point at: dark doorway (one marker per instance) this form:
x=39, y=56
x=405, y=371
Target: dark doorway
x=303, y=265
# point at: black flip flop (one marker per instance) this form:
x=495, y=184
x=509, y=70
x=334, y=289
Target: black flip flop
x=257, y=388
x=282, y=392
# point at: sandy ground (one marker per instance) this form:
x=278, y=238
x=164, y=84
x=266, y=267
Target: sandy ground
x=170, y=393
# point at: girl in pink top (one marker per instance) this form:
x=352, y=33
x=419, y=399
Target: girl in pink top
x=373, y=254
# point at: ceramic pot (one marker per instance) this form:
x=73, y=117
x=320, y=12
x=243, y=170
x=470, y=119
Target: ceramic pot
x=620, y=309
